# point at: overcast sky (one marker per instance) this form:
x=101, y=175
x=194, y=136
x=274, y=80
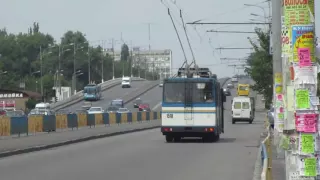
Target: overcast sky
x=106, y=19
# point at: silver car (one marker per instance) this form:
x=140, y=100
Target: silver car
x=123, y=110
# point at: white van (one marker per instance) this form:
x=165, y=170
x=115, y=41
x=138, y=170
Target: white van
x=126, y=82
x=243, y=108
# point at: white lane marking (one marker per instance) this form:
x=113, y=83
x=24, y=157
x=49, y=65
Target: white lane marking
x=156, y=106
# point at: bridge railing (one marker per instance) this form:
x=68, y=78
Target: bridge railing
x=263, y=166
x=47, y=123
x=79, y=95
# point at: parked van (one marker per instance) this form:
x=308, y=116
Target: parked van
x=242, y=109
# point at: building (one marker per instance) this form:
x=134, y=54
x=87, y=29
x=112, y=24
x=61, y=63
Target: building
x=158, y=61
x=16, y=99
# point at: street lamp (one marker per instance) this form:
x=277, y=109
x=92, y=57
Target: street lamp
x=41, y=68
x=263, y=9
x=75, y=49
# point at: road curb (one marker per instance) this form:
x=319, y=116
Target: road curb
x=69, y=142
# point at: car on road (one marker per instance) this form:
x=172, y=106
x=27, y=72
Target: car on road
x=95, y=110
x=143, y=106
x=112, y=109
x=226, y=92
x=123, y=110
x=117, y=102
x=87, y=105
x=230, y=85
x=137, y=102
x=234, y=79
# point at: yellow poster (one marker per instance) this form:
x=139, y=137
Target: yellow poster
x=298, y=11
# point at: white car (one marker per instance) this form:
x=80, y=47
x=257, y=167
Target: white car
x=126, y=82
x=95, y=110
x=123, y=110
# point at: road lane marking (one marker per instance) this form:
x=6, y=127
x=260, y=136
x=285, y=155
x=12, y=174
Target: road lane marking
x=156, y=106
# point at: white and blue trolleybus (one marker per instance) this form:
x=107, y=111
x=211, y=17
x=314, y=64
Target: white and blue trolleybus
x=192, y=106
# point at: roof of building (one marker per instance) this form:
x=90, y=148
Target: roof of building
x=28, y=93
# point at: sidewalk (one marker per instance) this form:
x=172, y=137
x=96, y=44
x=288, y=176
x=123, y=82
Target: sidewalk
x=278, y=164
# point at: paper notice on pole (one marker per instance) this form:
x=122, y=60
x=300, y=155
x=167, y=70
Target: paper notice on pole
x=306, y=144
x=314, y=100
x=290, y=98
x=306, y=123
x=305, y=74
x=304, y=56
x=296, y=176
x=308, y=166
x=302, y=99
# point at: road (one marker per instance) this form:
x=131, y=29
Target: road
x=110, y=94
x=145, y=156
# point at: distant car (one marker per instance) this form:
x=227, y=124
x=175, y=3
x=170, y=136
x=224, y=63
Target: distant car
x=112, y=109
x=234, y=79
x=16, y=113
x=143, y=106
x=123, y=110
x=230, y=85
x=86, y=105
x=95, y=110
x=226, y=92
x=137, y=102
x=62, y=111
x=117, y=102
x=161, y=84
x=79, y=111
x=146, y=109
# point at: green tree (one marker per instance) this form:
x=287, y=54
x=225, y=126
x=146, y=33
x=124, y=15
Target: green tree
x=260, y=65
x=21, y=56
x=124, y=52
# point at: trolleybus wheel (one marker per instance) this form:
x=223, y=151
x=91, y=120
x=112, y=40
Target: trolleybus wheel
x=169, y=138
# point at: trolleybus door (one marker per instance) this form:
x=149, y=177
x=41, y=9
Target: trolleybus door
x=188, y=104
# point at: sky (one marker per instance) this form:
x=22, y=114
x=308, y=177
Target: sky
x=128, y=19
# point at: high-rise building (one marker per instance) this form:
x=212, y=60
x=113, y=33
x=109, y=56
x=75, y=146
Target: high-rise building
x=157, y=61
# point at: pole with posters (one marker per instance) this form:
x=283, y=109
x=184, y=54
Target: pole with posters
x=300, y=139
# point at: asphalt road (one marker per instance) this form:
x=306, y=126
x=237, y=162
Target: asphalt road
x=152, y=97
x=109, y=95
x=145, y=156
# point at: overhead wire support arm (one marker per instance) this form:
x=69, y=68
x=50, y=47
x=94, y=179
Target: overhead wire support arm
x=221, y=23
x=236, y=32
x=175, y=28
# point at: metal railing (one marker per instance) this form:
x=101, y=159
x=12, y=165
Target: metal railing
x=266, y=155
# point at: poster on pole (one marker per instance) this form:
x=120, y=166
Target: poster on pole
x=285, y=38
x=302, y=37
x=298, y=11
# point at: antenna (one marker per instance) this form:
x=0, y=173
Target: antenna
x=185, y=31
x=175, y=28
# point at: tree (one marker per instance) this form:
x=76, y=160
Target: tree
x=260, y=66
x=20, y=57
x=124, y=52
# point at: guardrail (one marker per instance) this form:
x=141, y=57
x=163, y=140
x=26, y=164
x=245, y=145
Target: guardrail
x=79, y=95
x=266, y=155
x=47, y=123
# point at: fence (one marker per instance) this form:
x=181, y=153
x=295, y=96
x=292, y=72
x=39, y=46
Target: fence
x=46, y=123
x=266, y=155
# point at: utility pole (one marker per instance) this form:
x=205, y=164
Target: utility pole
x=102, y=61
x=113, y=55
x=41, y=73
x=131, y=59
x=74, y=68
x=59, y=71
x=298, y=122
x=139, y=62
x=89, y=65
